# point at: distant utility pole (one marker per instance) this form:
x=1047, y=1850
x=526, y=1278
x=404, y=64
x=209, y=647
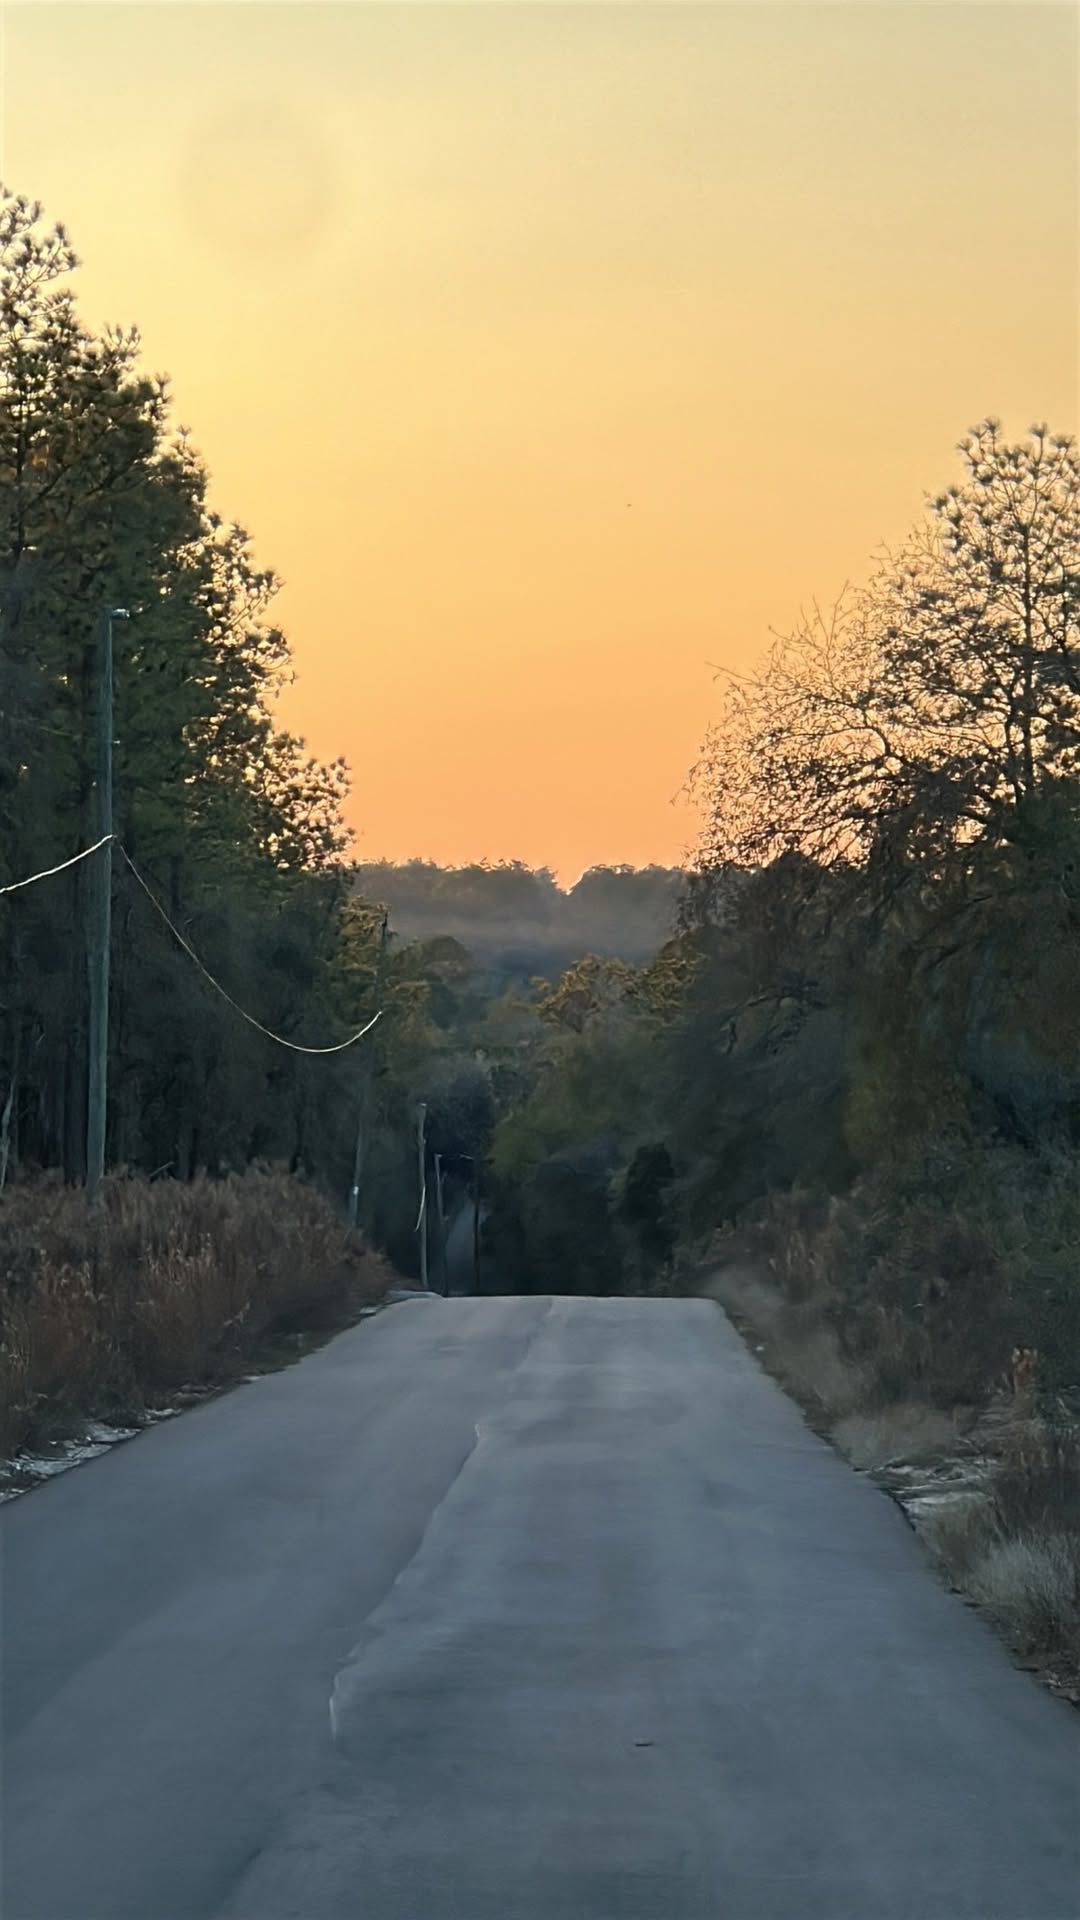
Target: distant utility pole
x=441, y=1216
x=365, y=1087
x=474, y=1189
x=421, y=1224
x=476, y=1226
x=100, y=927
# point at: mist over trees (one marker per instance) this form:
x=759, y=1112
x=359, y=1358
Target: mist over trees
x=518, y=921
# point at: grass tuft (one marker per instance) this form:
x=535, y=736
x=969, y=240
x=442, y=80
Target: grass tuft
x=1030, y=1587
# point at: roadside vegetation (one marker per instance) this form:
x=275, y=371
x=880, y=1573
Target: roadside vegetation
x=169, y=1285
x=845, y=1095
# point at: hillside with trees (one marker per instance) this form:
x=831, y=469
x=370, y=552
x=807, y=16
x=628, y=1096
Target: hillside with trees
x=518, y=922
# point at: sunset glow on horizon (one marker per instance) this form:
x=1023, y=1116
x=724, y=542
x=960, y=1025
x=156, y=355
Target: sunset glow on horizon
x=555, y=354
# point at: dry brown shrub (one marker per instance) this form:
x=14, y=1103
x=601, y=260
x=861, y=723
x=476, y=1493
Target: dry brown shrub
x=796, y=1343
x=64, y=1330
x=909, y=1431
x=1037, y=1483
x=166, y=1284
x=1015, y=1548
x=16, y=1399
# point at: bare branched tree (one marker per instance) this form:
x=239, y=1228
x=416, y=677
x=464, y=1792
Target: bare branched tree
x=929, y=703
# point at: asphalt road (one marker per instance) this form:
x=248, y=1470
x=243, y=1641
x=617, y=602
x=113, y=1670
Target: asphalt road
x=510, y=1610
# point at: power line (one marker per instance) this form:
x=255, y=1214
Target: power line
x=47, y=872
x=218, y=988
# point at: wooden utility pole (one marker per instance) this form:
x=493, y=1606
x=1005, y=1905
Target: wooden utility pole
x=5, y=1120
x=476, y=1226
x=100, y=928
x=441, y=1216
x=421, y=1223
x=365, y=1088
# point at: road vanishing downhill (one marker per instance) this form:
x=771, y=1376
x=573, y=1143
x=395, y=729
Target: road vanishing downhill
x=510, y=1609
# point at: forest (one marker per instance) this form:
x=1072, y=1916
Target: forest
x=841, y=1055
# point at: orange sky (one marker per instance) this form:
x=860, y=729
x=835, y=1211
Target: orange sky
x=552, y=352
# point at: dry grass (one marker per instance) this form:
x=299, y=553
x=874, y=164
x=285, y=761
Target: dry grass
x=169, y=1284
x=1030, y=1588
x=796, y=1345
x=1037, y=1486
x=811, y=1365
x=1015, y=1548
x=906, y=1431
x=958, y=1535
x=746, y=1295
x=1028, y=1584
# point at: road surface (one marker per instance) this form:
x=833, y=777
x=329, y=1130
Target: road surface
x=511, y=1609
